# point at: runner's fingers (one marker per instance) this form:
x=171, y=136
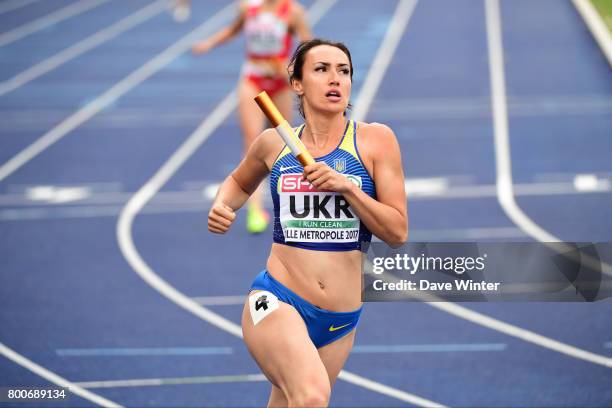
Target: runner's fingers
x=219, y=220
x=322, y=180
x=224, y=212
x=215, y=226
x=319, y=173
x=313, y=167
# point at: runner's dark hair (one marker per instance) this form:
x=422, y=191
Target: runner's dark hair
x=296, y=64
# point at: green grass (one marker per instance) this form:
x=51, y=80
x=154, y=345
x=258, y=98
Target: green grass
x=605, y=9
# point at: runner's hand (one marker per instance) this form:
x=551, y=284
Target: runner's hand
x=220, y=218
x=323, y=177
x=201, y=47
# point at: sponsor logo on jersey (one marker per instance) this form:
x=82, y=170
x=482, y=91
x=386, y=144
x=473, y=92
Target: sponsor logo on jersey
x=283, y=168
x=332, y=328
x=294, y=183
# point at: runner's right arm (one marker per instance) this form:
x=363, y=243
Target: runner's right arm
x=243, y=181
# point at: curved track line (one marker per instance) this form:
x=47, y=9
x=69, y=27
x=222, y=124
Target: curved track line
x=56, y=379
x=146, y=193
x=505, y=185
x=506, y=194
x=521, y=333
x=506, y=181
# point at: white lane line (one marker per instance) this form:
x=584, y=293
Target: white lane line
x=521, y=333
x=426, y=186
x=14, y=4
x=505, y=190
x=597, y=26
x=428, y=348
x=80, y=202
x=95, y=211
x=87, y=44
x=215, y=351
x=50, y=195
x=590, y=182
x=55, y=379
x=115, y=92
x=509, y=329
x=386, y=390
x=57, y=195
x=146, y=193
x=152, y=382
x=144, y=351
x=89, y=195
x=505, y=180
x=383, y=57
x=48, y=20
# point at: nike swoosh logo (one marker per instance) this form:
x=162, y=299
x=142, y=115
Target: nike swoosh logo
x=287, y=168
x=332, y=328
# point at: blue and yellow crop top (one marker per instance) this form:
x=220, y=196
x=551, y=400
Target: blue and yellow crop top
x=321, y=220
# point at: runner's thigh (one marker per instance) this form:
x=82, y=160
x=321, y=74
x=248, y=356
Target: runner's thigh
x=280, y=345
x=334, y=355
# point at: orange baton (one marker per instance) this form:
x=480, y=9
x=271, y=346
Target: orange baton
x=284, y=129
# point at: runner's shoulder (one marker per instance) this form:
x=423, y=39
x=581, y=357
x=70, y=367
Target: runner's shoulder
x=375, y=137
x=268, y=143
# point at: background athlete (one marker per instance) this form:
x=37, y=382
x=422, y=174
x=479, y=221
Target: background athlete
x=299, y=319
x=268, y=26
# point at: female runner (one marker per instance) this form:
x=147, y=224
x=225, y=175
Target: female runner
x=299, y=319
x=268, y=26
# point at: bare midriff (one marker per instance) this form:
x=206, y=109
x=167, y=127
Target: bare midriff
x=327, y=279
x=272, y=67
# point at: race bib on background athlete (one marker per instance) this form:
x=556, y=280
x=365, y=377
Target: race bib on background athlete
x=266, y=34
x=311, y=215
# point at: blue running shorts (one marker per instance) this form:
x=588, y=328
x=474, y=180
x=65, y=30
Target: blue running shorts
x=324, y=326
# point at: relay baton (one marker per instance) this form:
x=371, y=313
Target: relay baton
x=284, y=129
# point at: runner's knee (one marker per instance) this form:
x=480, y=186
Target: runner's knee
x=311, y=394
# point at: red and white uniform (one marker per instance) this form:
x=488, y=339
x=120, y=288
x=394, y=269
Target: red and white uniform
x=267, y=32
x=267, y=38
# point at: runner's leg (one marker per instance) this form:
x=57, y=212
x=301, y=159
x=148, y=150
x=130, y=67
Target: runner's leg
x=281, y=347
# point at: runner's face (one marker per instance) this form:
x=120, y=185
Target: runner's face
x=326, y=80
